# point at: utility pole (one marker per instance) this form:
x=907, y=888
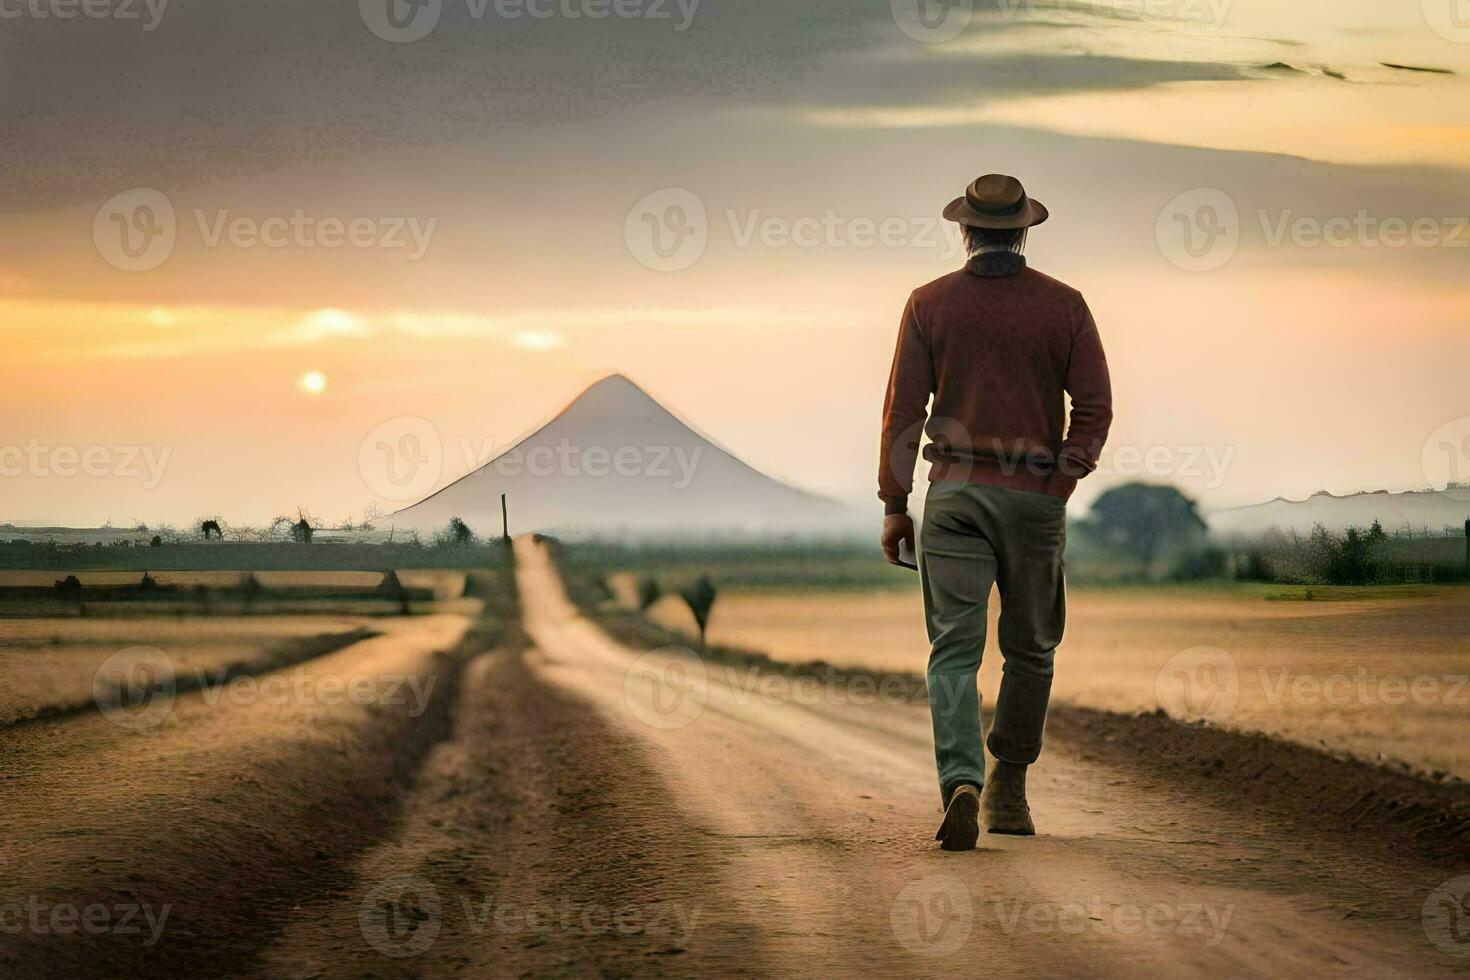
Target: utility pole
x=505, y=526
x=1467, y=546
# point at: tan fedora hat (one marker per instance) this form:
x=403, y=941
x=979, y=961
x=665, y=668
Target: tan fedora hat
x=996, y=201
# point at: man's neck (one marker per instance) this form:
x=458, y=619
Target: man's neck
x=995, y=260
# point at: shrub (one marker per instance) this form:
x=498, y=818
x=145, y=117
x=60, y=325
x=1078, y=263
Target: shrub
x=700, y=598
x=1193, y=564
x=1254, y=566
x=649, y=592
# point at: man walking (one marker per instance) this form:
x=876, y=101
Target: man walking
x=996, y=344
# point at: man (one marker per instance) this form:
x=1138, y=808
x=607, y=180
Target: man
x=997, y=344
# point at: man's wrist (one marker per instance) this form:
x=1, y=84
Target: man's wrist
x=895, y=505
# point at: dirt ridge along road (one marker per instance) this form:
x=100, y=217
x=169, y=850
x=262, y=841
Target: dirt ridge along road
x=275, y=657
x=206, y=817
x=832, y=804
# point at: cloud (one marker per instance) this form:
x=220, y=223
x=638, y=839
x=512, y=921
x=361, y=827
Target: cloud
x=126, y=332
x=538, y=340
x=926, y=83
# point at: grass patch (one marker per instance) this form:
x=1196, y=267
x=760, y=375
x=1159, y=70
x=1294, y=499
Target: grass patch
x=1350, y=593
x=256, y=556
x=753, y=568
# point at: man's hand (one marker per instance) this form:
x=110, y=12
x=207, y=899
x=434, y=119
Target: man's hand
x=896, y=528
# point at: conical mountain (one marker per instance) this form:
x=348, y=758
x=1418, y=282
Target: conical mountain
x=616, y=462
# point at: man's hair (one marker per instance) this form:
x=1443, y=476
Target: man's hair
x=1010, y=239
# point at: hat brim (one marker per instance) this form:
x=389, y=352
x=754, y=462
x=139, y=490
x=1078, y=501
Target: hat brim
x=1034, y=213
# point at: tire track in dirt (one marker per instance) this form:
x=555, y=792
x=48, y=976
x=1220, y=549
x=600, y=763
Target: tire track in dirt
x=835, y=805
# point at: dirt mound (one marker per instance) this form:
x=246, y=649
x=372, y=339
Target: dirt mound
x=1301, y=786
x=223, y=817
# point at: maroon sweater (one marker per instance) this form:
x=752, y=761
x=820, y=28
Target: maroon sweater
x=996, y=349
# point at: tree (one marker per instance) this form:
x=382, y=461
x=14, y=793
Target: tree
x=1147, y=520
x=456, y=533
x=649, y=592
x=701, y=600
x=1345, y=560
x=243, y=532
x=393, y=588
x=461, y=531
x=1376, y=534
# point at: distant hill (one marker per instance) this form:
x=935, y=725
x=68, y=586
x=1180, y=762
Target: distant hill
x=1416, y=509
x=616, y=462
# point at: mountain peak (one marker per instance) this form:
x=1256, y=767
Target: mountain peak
x=616, y=461
x=615, y=397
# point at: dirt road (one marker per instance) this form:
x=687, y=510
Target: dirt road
x=808, y=815
x=556, y=803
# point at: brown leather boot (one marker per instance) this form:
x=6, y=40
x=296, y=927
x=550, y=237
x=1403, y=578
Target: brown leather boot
x=961, y=825
x=1004, y=803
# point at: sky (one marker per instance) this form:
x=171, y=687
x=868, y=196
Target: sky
x=239, y=239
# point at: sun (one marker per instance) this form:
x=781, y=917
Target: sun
x=312, y=382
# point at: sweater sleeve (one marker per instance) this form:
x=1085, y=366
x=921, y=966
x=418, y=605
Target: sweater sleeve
x=1091, y=391
x=910, y=382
